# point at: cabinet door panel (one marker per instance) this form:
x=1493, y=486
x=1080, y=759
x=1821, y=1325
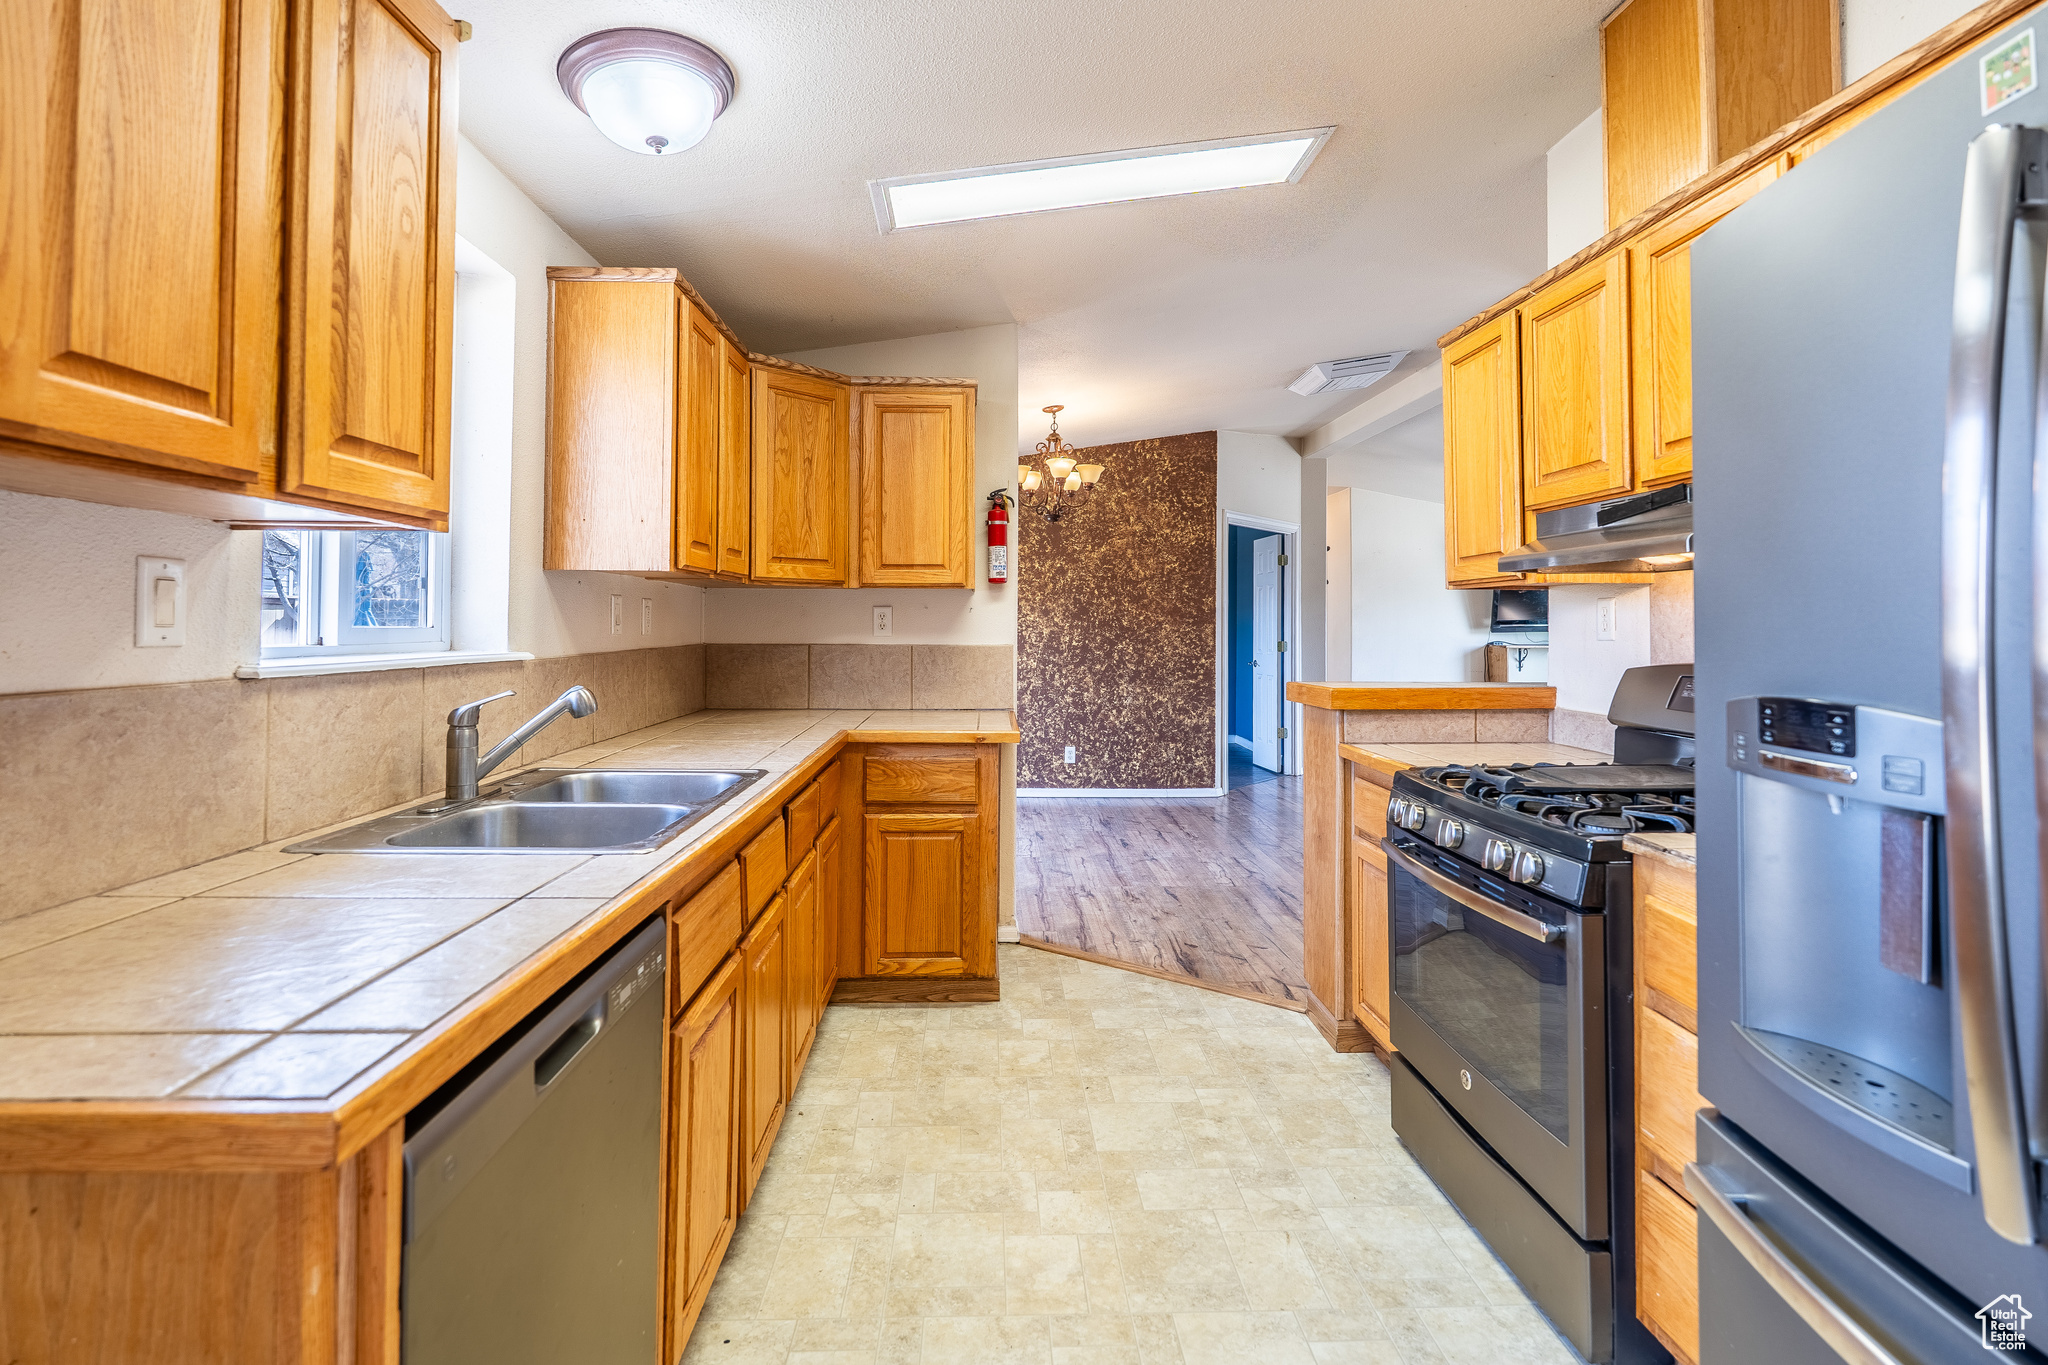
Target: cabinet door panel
x=371, y=286
x=705, y=1066
x=803, y=965
x=735, y=463
x=702, y=931
x=1482, y=452
x=1660, y=301
x=1575, y=440
x=765, y=1008
x=922, y=895
x=799, y=493
x=699, y=380
x=831, y=905
x=1667, y=1087
x=1371, y=959
x=916, y=494
x=138, y=279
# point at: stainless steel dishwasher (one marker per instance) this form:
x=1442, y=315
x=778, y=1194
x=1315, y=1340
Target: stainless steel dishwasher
x=532, y=1226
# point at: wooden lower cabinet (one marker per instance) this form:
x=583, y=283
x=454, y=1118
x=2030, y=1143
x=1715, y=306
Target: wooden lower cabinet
x=803, y=936
x=1667, y=1098
x=1371, y=975
x=921, y=880
x=831, y=906
x=764, y=1007
x=706, y=1062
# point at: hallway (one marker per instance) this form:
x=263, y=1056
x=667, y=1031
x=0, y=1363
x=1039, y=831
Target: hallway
x=1205, y=889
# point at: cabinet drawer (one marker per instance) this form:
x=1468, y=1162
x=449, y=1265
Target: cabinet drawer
x=1667, y=1087
x=804, y=819
x=701, y=931
x=926, y=775
x=1368, y=807
x=765, y=862
x=828, y=792
x=1668, y=1266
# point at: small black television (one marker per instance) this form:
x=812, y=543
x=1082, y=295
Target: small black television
x=1521, y=611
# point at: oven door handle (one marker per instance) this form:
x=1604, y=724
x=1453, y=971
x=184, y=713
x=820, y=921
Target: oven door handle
x=1526, y=925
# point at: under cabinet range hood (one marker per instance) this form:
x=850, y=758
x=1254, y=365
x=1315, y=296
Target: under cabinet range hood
x=1645, y=533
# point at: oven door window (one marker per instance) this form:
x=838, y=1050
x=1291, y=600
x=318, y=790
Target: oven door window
x=1498, y=997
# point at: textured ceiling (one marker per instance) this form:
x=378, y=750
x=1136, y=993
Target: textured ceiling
x=1145, y=319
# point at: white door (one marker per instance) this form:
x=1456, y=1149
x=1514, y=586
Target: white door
x=1267, y=655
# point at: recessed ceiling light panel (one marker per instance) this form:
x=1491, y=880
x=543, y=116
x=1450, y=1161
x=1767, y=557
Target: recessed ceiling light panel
x=1104, y=178
x=649, y=90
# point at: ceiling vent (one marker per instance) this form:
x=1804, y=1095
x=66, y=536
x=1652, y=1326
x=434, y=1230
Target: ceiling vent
x=1355, y=373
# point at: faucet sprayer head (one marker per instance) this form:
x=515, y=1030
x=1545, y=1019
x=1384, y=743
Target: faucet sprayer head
x=581, y=703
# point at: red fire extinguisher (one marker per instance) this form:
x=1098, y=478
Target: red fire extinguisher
x=999, y=536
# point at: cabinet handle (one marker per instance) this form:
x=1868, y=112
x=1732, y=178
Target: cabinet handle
x=1827, y=1318
x=1993, y=179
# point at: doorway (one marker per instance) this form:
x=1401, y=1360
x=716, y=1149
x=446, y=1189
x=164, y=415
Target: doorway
x=1259, y=606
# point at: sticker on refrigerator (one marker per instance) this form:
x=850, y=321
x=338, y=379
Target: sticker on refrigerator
x=2007, y=71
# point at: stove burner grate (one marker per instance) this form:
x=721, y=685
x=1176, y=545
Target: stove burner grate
x=1577, y=797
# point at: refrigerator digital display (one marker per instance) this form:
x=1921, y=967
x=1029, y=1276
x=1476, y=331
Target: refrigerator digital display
x=1818, y=727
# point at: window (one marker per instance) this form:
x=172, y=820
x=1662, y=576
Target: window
x=354, y=592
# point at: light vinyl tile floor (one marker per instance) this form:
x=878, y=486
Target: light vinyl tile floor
x=1102, y=1169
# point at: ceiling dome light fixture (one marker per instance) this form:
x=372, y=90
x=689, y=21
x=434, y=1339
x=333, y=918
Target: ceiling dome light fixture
x=649, y=90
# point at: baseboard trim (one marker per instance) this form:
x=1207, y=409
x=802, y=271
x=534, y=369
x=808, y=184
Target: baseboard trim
x=917, y=990
x=1240, y=742
x=1113, y=793
x=1343, y=1035
x=1007, y=933
x=1160, y=973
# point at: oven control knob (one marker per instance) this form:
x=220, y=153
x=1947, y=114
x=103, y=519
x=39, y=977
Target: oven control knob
x=1528, y=868
x=1397, y=811
x=1412, y=816
x=1448, y=833
x=1495, y=856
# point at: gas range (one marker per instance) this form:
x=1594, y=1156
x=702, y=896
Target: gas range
x=1543, y=826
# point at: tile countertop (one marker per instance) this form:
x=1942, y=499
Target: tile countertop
x=270, y=981
x=1382, y=761
x=1680, y=850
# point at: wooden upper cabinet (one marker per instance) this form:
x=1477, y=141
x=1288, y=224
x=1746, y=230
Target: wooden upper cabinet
x=1660, y=343
x=1482, y=452
x=611, y=423
x=1686, y=84
x=700, y=377
x=799, y=488
x=1575, y=445
x=370, y=271
x=735, y=464
x=916, y=487
x=142, y=141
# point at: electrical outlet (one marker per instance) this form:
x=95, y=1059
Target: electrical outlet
x=1070, y=753
x=618, y=614
x=159, y=602
x=885, y=620
x=647, y=616
x=1604, y=618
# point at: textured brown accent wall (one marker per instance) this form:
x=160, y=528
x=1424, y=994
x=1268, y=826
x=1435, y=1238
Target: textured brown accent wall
x=1116, y=625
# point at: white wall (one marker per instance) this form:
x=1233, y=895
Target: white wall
x=1583, y=668
x=1875, y=31
x=983, y=615
x=551, y=613
x=1337, y=576
x=1258, y=476
x=1406, y=461
x=1576, y=202
x=1406, y=626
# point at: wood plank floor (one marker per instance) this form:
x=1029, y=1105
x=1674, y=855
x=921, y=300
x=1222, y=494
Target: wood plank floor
x=1208, y=889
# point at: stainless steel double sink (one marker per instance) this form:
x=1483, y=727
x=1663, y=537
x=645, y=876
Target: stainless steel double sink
x=551, y=810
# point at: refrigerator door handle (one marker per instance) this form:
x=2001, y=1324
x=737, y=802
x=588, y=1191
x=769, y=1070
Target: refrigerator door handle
x=1992, y=182
x=1827, y=1318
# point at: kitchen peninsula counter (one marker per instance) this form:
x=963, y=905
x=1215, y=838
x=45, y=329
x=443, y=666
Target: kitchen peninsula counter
x=274, y=1011
x=1392, y=719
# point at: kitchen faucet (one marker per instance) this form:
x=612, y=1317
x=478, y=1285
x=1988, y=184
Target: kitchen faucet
x=465, y=769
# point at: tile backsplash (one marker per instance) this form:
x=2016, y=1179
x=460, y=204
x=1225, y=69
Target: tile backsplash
x=106, y=786
x=879, y=677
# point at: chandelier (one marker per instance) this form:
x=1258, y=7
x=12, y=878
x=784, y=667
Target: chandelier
x=1065, y=484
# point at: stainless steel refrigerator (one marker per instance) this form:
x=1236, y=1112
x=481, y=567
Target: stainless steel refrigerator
x=1871, y=527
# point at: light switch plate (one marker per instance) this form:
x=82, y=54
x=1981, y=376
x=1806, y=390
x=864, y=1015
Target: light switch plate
x=647, y=616
x=618, y=613
x=159, y=602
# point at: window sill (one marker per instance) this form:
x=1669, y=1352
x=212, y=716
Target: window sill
x=317, y=665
